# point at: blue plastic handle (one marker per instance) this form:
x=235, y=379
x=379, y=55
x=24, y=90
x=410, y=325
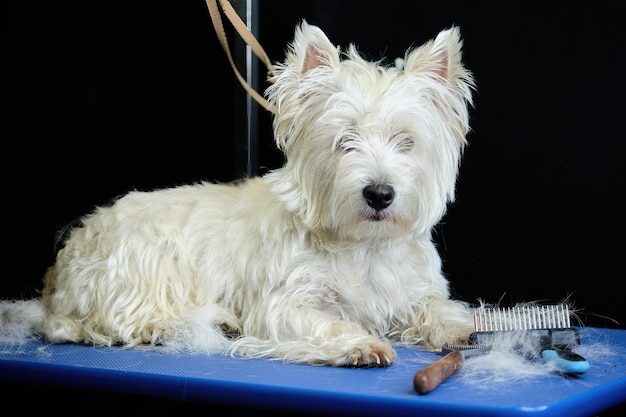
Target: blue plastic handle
x=566, y=360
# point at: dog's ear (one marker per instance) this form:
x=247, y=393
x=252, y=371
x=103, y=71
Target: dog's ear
x=312, y=48
x=309, y=50
x=440, y=57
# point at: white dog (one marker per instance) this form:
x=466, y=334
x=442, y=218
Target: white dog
x=323, y=261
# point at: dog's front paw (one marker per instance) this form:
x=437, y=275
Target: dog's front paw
x=373, y=353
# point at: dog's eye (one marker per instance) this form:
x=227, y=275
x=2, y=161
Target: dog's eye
x=345, y=144
x=405, y=144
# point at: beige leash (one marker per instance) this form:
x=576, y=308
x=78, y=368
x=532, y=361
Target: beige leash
x=247, y=36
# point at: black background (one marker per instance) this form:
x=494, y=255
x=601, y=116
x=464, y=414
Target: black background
x=97, y=100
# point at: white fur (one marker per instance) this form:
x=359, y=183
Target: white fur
x=296, y=262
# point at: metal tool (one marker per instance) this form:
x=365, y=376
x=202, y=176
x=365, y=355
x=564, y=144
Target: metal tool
x=429, y=378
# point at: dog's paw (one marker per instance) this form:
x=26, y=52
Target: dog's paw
x=373, y=354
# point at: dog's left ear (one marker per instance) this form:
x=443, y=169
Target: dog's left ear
x=440, y=57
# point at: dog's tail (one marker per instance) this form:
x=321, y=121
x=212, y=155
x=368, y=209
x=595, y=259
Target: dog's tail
x=20, y=320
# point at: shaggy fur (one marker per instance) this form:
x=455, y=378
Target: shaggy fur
x=323, y=261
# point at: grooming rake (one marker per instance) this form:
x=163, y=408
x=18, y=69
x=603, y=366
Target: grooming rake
x=531, y=317
x=549, y=325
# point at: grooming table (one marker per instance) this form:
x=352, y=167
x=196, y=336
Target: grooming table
x=272, y=385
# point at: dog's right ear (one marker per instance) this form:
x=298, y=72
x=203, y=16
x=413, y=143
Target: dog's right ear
x=311, y=48
x=310, y=51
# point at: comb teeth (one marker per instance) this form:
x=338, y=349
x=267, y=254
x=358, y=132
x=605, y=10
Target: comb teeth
x=522, y=318
x=452, y=347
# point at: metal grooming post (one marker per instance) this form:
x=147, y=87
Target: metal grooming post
x=247, y=131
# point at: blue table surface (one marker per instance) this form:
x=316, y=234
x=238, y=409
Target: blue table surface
x=267, y=384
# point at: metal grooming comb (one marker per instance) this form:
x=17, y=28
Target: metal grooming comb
x=429, y=378
x=522, y=318
x=551, y=324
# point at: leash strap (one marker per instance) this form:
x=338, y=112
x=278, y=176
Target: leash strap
x=247, y=36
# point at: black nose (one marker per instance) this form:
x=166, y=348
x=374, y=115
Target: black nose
x=379, y=197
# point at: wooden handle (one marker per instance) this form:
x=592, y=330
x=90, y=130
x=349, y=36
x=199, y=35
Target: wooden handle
x=429, y=378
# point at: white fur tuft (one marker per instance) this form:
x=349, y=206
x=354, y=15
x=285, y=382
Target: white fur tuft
x=20, y=320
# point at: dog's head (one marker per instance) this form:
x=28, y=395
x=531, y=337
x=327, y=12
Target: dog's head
x=371, y=151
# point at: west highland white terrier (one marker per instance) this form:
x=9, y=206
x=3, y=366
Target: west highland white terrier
x=327, y=260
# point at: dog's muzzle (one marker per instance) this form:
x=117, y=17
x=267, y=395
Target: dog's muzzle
x=379, y=196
